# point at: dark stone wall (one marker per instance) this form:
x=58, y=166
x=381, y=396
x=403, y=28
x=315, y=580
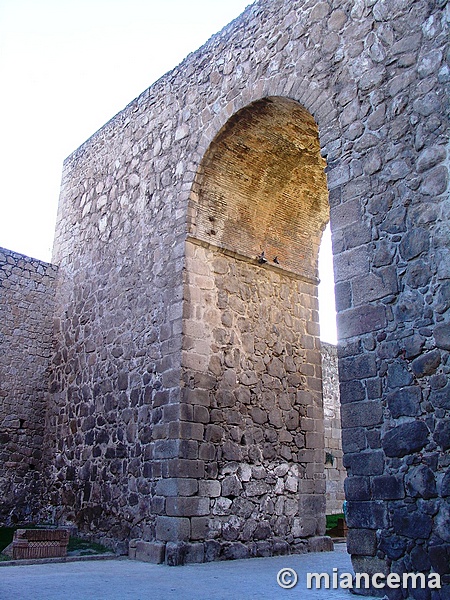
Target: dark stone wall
x=26, y=328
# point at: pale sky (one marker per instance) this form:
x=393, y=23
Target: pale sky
x=66, y=68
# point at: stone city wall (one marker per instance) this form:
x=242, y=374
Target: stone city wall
x=334, y=468
x=26, y=333
x=373, y=75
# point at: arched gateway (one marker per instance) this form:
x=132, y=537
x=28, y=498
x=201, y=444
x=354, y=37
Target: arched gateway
x=185, y=406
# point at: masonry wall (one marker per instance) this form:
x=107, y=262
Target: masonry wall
x=252, y=382
x=26, y=326
x=373, y=76
x=335, y=472
x=116, y=367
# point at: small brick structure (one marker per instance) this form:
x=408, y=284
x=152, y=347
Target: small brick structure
x=40, y=543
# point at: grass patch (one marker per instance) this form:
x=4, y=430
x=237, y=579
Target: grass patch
x=83, y=547
x=332, y=520
x=3, y=557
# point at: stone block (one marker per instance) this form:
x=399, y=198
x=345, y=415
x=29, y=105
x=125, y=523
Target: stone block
x=375, y=285
x=405, y=439
x=404, y=402
x=280, y=547
x=354, y=439
x=420, y=558
x=413, y=525
x=351, y=264
x=157, y=505
x=343, y=296
x=231, y=486
x=361, y=414
x=360, y=320
x=362, y=542
x=439, y=557
x=304, y=527
x=365, y=463
x=442, y=335
x=195, y=553
x=187, y=506
x=366, y=515
x=357, y=488
x=234, y=551
x=176, y=486
x=184, y=468
x=388, y=487
x=207, y=452
x=262, y=549
x=426, y=364
x=311, y=505
x=199, y=528
x=345, y=214
x=153, y=552
x=420, y=482
x=197, y=396
x=440, y=398
x=351, y=391
x=188, y=449
x=357, y=367
x=256, y=488
x=201, y=413
x=175, y=553
x=172, y=529
x=314, y=440
x=213, y=550
x=370, y=565
x=210, y=488
x=398, y=375
x=214, y=433
x=441, y=434
x=445, y=486
x=166, y=449
x=393, y=546
x=322, y=543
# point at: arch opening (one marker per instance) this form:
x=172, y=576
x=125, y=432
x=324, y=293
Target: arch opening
x=251, y=356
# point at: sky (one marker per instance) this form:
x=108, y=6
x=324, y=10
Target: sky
x=66, y=68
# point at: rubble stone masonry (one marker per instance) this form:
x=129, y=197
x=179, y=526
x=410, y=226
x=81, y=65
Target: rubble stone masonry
x=335, y=472
x=207, y=165
x=26, y=333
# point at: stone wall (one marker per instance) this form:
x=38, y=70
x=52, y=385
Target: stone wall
x=334, y=468
x=373, y=77
x=252, y=384
x=26, y=327
x=119, y=247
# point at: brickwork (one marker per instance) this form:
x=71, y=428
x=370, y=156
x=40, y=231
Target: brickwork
x=26, y=324
x=39, y=543
x=246, y=203
x=373, y=77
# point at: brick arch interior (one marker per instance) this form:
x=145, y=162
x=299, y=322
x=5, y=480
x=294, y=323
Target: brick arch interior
x=251, y=363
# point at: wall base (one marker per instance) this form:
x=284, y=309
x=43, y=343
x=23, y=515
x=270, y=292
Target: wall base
x=181, y=553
